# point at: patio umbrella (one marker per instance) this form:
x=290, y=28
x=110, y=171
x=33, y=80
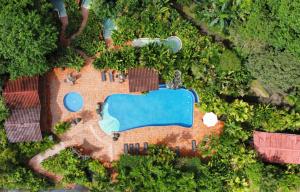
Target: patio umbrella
x=210, y=119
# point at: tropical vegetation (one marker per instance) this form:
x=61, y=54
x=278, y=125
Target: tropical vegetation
x=264, y=47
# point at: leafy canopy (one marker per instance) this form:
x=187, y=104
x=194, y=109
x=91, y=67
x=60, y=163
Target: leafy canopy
x=26, y=37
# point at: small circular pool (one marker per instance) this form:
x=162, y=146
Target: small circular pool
x=73, y=101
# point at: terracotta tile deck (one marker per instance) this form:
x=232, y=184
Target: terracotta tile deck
x=88, y=133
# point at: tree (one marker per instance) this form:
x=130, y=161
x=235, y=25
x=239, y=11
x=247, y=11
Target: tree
x=154, y=172
x=272, y=23
x=3, y=110
x=278, y=72
x=26, y=37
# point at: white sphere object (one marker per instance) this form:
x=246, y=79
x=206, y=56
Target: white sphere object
x=210, y=119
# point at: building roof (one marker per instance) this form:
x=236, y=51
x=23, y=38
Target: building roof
x=21, y=116
x=22, y=93
x=142, y=79
x=22, y=97
x=23, y=132
x=21, y=85
x=278, y=147
x=21, y=100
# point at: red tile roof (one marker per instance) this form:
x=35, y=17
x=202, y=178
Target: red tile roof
x=21, y=116
x=278, y=147
x=142, y=79
x=21, y=100
x=22, y=97
x=21, y=85
x=23, y=132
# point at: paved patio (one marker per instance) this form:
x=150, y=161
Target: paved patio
x=89, y=135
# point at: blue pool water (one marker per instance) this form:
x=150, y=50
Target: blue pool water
x=73, y=101
x=122, y=112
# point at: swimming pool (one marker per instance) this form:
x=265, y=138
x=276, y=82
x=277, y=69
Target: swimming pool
x=161, y=107
x=73, y=102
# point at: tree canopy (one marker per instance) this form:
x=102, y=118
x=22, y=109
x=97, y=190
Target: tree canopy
x=27, y=36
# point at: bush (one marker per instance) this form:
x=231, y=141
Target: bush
x=3, y=110
x=89, y=173
x=69, y=58
x=273, y=23
x=154, y=172
x=278, y=72
x=27, y=37
x=223, y=13
x=229, y=61
x=61, y=127
x=14, y=171
x=271, y=119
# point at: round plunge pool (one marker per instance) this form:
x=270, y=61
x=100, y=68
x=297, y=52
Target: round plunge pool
x=73, y=102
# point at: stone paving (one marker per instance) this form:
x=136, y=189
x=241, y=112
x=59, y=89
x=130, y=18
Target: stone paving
x=88, y=133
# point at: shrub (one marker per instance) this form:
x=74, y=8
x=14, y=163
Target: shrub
x=223, y=13
x=153, y=172
x=229, y=61
x=3, y=110
x=27, y=37
x=271, y=119
x=61, y=127
x=69, y=58
x=273, y=23
x=89, y=173
x=278, y=72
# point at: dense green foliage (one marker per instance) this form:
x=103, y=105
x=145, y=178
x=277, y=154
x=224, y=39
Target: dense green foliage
x=279, y=71
x=14, y=171
x=274, y=23
x=153, y=172
x=223, y=13
x=199, y=55
x=264, y=34
x=89, y=173
x=61, y=127
x=89, y=40
x=3, y=110
x=27, y=36
x=267, y=31
x=68, y=57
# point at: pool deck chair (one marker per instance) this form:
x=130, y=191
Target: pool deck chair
x=131, y=148
x=103, y=76
x=194, y=146
x=125, y=149
x=177, y=151
x=137, y=148
x=145, y=147
x=111, y=76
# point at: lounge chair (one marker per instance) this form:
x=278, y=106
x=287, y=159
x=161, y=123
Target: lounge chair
x=145, y=147
x=99, y=106
x=70, y=79
x=121, y=76
x=125, y=149
x=98, y=111
x=116, y=135
x=131, y=148
x=137, y=148
x=111, y=76
x=194, y=146
x=115, y=138
x=103, y=76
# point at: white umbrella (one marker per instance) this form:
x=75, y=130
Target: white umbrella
x=210, y=119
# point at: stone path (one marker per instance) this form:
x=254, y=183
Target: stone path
x=35, y=162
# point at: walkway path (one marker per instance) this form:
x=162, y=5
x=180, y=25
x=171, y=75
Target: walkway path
x=36, y=161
